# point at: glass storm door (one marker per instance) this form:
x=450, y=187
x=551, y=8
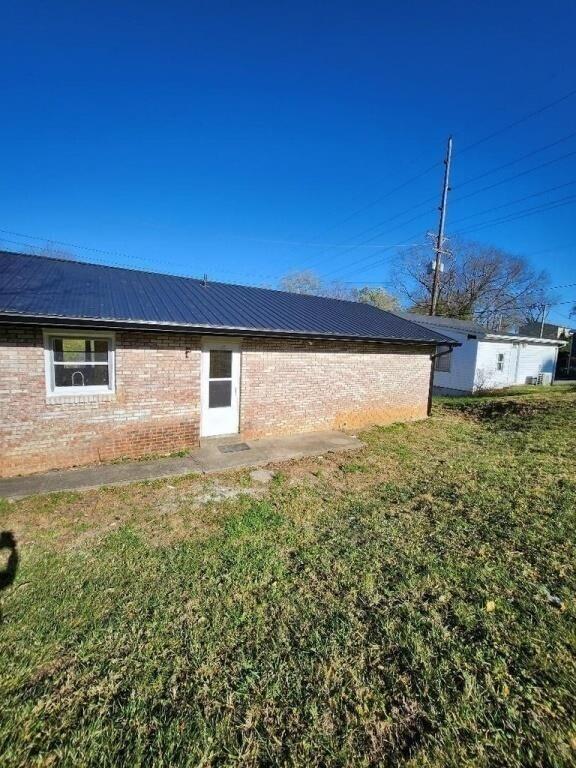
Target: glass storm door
x=220, y=389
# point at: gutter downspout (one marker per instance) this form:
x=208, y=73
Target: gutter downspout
x=433, y=359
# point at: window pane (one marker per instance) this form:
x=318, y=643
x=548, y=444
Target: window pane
x=80, y=350
x=443, y=363
x=81, y=376
x=220, y=364
x=220, y=394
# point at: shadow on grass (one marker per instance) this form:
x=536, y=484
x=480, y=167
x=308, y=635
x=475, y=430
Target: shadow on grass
x=8, y=574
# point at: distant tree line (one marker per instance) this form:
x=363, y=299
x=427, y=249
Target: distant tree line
x=309, y=282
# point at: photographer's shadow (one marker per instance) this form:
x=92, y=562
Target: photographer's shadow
x=8, y=572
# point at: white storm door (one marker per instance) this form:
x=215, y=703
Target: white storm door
x=220, y=388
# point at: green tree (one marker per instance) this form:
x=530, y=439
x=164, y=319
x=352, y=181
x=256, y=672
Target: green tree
x=310, y=283
x=378, y=297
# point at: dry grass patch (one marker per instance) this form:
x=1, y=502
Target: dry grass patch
x=408, y=604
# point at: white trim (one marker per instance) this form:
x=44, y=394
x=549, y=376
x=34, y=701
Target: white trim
x=73, y=392
x=233, y=422
x=523, y=339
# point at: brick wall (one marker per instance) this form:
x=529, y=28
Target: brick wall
x=300, y=386
x=155, y=409
x=287, y=386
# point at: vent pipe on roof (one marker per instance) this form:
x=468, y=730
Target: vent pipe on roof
x=205, y=281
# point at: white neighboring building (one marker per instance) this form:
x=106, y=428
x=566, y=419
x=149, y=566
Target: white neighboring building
x=487, y=360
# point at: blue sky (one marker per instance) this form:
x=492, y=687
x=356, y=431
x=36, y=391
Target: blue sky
x=238, y=139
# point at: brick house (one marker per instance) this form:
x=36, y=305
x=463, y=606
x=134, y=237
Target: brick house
x=99, y=362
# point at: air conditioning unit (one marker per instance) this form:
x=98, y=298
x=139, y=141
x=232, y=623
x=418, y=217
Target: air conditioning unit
x=544, y=379
x=532, y=380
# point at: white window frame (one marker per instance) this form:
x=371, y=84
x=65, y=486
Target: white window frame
x=500, y=361
x=444, y=359
x=64, y=333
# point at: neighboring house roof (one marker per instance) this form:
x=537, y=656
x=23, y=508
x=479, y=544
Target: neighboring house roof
x=448, y=324
x=548, y=330
x=43, y=289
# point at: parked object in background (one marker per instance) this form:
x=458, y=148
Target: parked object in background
x=542, y=380
x=488, y=360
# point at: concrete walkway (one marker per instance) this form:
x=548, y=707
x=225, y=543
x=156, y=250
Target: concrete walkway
x=214, y=455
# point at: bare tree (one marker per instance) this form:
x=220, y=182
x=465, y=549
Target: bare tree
x=479, y=282
x=301, y=282
x=56, y=253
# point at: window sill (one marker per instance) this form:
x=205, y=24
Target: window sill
x=73, y=398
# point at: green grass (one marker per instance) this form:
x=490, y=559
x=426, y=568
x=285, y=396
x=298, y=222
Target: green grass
x=411, y=605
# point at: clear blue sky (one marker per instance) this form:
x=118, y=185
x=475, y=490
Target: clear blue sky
x=225, y=138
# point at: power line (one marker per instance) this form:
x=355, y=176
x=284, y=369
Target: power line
x=353, y=247
x=504, y=165
x=519, y=215
x=468, y=147
x=69, y=245
x=388, y=194
x=371, y=265
x=521, y=120
x=516, y=176
x=517, y=160
x=551, y=250
x=513, y=202
x=566, y=285
x=471, y=194
x=522, y=214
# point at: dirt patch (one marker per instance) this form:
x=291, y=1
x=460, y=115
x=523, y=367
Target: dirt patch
x=504, y=412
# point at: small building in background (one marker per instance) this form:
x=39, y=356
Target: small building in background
x=488, y=360
x=566, y=365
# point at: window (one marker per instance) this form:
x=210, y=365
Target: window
x=79, y=363
x=220, y=379
x=443, y=363
x=500, y=361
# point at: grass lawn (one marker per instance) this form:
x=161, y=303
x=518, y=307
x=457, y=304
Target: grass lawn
x=410, y=604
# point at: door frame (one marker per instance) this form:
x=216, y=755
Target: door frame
x=235, y=346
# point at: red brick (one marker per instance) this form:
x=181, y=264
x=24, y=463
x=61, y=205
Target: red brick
x=286, y=386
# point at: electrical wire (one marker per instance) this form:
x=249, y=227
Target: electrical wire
x=521, y=214
x=521, y=120
x=516, y=176
x=513, y=202
x=516, y=160
x=69, y=245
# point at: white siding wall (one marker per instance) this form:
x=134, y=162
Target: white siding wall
x=475, y=363
x=461, y=375
x=487, y=374
x=521, y=360
x=535, y=359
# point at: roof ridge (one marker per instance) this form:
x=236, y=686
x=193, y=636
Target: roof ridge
x=182, y=277
x=51, y=286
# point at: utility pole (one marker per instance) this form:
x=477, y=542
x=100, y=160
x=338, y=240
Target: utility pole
x=544, y=313
x=440, y=238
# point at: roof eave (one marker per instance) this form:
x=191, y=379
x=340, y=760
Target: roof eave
x=525, y=339
x=113, y=324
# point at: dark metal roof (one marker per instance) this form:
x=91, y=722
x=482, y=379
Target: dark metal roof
x=35, y=288
x=467, y=326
